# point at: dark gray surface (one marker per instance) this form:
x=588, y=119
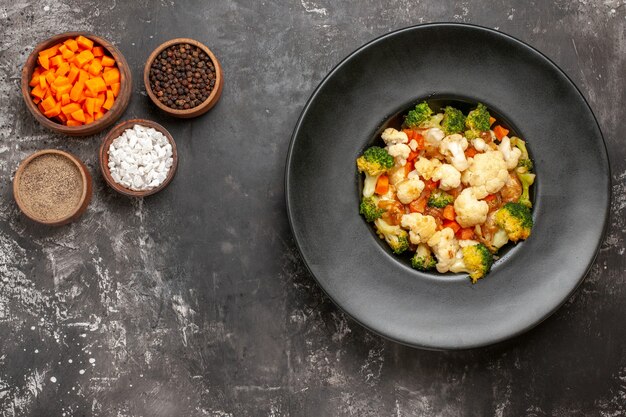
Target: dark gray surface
x=194, y=302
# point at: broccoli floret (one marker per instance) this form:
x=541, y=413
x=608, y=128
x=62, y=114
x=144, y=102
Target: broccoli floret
x=369, y=209
x=478, y=261
x=433, y=121
x=396, y=238
x=477, y=121
x=516, y=220
x=374, y=161
x=423, y=260
x=453, y=121
x=440, y=199
x=419, y=115
x=527, y=179
x=525, y=164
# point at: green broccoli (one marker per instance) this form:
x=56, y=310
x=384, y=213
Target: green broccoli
x=516, y=219
x=396, y=238
x=369, y=209
x=423, y=260
x=419, y=115
x=440, y=199
x=433, y=121
x=374, y=161
x=478, y=261
x=453, y=121
x=525, y=164
x=477, y=121
x=527, y=179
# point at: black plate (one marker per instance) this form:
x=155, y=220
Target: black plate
x=447, y=61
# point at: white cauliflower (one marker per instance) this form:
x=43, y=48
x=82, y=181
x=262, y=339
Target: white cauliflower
x=396, y=175
x=392, y=136
x=433, y=137
x=420, y=227
x=445, y=246
x=479, y=144
x=426, y=167
x=469, y=210
x=400, y=152
x=369, y=184
x=453, y=148
x=510, y=154
x=449, y=176
x=409, y=190
x=487, y=173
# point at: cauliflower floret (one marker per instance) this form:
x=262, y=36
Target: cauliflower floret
x=392, y=136
x=445, y=246
x=433, y=137
x=469, y=210
x=369, y=184
x=511, y=155
x=452, y=147
x=487, y=173
x=396, y=175
x=420, y=227
x=409, y=190
x=479, y=144
x=400, y=152
x=426, y=167
x=449, y=176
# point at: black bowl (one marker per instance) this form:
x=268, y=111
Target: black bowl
x=447, y=62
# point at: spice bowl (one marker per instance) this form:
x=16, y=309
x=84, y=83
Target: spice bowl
x=120, y=102
x=105, y=158
x=52, y=187
x=194, y=74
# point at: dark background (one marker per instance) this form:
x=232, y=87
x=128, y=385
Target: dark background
x=194, y=302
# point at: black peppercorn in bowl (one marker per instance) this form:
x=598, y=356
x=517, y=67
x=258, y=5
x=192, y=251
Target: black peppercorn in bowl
x=183, y=78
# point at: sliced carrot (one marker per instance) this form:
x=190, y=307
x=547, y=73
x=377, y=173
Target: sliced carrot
x=490, y=197
x=452, y=225
x=408, y=167
x=112, y=76
x=50, y=52
x=97, y=51
x=53, y=112
x=448, y=212
x=70, y=108
x=38, y=92
x=63, y=69
x=83, y=76
x=99, y=115
x=470, y=152
x=492, y=120
x=65, y=99
x=56, y=60
x=115, y=88
x=73, y=74
x=73, y=123
x=95, y=68
x=107, y=61
x=50, y=77
x=71, y=44
x=413, y=155
x=84, y=43
x=77, y=90
x=419, y=205
x=48, y=103
x=44, y=61
x=110, y=100
x=431, y=185
x=63, y=89
x=42, y=82
x=500, y=132
x=90, y=105
x=96, y=85
x=382, y=185
x=83, y=58
x=79, y=115
x=465, y=233
x=59, y=81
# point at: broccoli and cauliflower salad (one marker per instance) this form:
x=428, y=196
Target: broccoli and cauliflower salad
x=448, y=188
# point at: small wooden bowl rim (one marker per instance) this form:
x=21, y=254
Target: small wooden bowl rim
x=18, y=175
x=104, y=157
x=195, y=111
x=110, y=117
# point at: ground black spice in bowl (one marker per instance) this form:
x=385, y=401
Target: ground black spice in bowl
x=51, y=187
x=182, y=76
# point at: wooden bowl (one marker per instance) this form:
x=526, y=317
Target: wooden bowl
x=104, y=157
x=121, y=101
x=87, y=188
x=204, y=106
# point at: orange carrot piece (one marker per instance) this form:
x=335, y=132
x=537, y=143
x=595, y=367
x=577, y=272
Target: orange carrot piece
x=97, y=51
x=115, y=88
x=95, y=68
x=42, y=82
x=448, y=212
x=38, y=92
x=48, y=103
x=465, y=233
x=56, y=60
x=59, y=81
x=70, y=108
x=50, y=77
x=71, y=44
x=99, y=115
x=73, y=123
x=53, y=112
x=90, y=105
x=63, y=89
x=500, y=132
x=63, y=69
x=73, y=74
x=89, y=119
x=492, y=120
x=419, y=205
x=83, y=58
x=78, y=115
x=110, y=100
x=470, y=152
x=96, y=85
x=452, y=225
x=83, y=76
x=490, y=197
x=65, y=99
x=382, y=185
x=112, y=76
x=84, y=43
x=44, y=61
x=107, y=61
x=77, y=90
